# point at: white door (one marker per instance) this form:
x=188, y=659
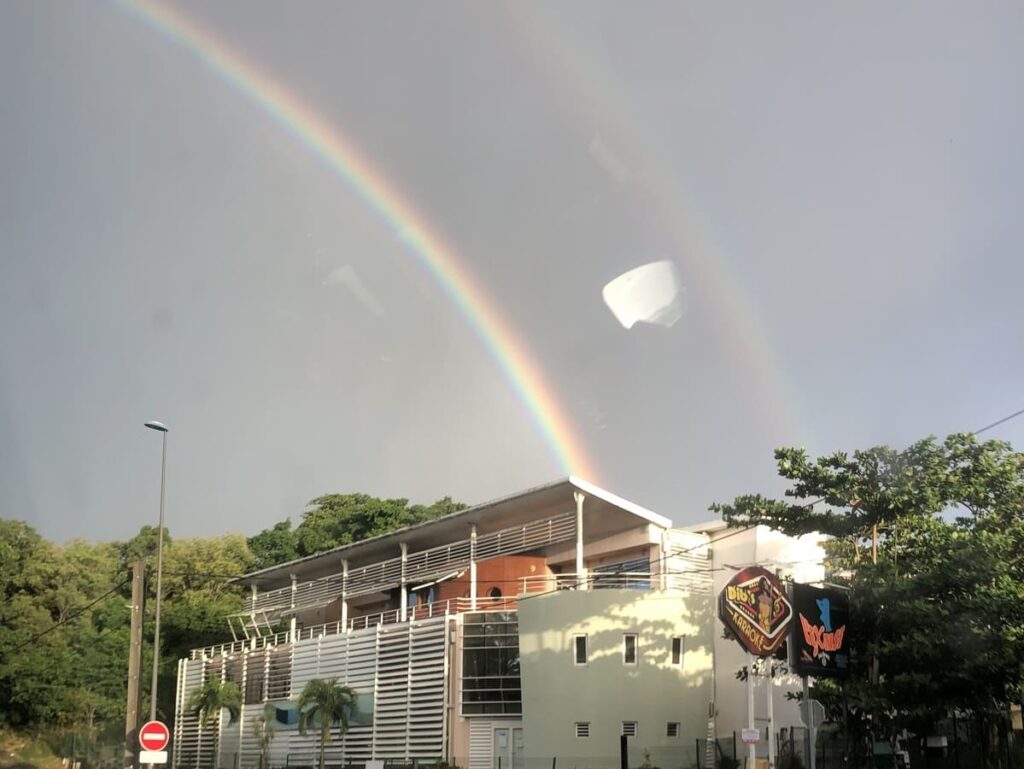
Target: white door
x=507, y=750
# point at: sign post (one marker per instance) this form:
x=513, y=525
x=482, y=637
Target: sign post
x=755, y=606
x=819, y=648
x=153, y=739
x=751, y=734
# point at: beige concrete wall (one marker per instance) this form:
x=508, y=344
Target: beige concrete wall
x=605, y=692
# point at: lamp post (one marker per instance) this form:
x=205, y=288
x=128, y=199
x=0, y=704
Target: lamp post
x=162, y=428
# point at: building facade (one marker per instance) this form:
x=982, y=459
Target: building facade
x=542, y=625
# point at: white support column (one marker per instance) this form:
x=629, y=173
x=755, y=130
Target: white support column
x=265, y=694
x=252, y=614
x=472, y=569
x=751, y=748
x=344, y=593
x=404, y=601
x=663, y=560
x=581, y=577
x=220, y=721
x=769, y=676
x=294, y=628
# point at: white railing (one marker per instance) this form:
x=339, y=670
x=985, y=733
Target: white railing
x=391, y=616
x=244, y=644
x=695, y=580
x=420, y=566
x=550, y=583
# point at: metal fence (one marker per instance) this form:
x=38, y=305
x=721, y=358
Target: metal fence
x=965, y=744
x=682, y=757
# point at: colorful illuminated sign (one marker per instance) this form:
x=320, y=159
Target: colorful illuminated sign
x=755, y=607
x=820, y=641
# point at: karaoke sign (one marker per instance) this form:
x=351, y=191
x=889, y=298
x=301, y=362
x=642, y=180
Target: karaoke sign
x=755, y=607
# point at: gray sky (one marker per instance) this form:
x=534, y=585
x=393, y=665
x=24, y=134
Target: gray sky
x=839, y=190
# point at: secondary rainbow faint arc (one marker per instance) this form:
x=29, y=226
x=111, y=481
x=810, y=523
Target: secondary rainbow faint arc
x=341, y=156
x=590, y=91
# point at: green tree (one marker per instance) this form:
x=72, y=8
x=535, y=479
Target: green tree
x=323, y=704
x=36, y=663
x=274, y=545
x=211, y=698
x=264, y=730
x=197, y=599
x=143, y=545
x=340, y=519
x=928, y=541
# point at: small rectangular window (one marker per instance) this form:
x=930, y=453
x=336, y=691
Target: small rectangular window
x=677, y=651
x=672, y=730
x=582, y=728
x=580, y=649
x=629, y=649
x=629, y=728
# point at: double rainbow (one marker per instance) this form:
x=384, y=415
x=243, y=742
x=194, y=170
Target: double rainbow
x=340, y=155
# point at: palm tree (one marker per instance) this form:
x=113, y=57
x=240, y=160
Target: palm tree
x=325, y=703
x=264, y=730
x=208, y=700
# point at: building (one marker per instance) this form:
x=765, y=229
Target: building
x=542, y=625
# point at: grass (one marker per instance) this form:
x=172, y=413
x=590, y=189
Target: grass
x=19, y=751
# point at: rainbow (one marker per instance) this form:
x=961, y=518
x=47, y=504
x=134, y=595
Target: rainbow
x=583, y=82
x=340, y=155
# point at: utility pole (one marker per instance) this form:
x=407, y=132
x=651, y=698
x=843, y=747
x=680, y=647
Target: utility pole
x=131, y=719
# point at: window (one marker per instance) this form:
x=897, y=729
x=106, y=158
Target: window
x=629, y=728
x=580, y=649
x=582, y=728
x=677, y=651
x=672, y=730
x=490, y=664
x=494, y=592
x=631, y=575
x=629, y=649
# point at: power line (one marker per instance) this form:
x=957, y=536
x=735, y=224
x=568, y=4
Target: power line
x=1014, y=415
x=73, y=615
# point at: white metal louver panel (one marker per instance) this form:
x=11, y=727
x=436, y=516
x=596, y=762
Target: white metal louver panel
x=401, y=666
x=247, y=745
x=426, y=689
x=305, y=663
x=391, y=706
x=360, y=675
x=687, y=563
x=481, y=743
x=230, y=736
x=189, y=749
x=333, y=657
x=279, y=676
x=333, y=663
x=179, y=708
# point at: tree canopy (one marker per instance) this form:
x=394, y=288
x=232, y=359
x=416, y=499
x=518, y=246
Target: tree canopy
x=928, y=541
x=65, y=610
x=341, y=519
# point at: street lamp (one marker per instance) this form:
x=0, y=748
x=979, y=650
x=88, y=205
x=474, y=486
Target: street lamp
x=160, y=427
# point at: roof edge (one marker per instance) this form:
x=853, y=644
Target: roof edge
x=253, y=575
x=613, y=499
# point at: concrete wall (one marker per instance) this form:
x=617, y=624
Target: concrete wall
x=605, y=692
x=503, y=574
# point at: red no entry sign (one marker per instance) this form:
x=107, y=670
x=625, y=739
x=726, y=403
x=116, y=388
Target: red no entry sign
x=154, y=736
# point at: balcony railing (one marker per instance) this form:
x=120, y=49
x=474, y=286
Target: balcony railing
x=630, y=580
x=418, y=612
x=420, y=566
x=553, y=583
x=534, y=585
